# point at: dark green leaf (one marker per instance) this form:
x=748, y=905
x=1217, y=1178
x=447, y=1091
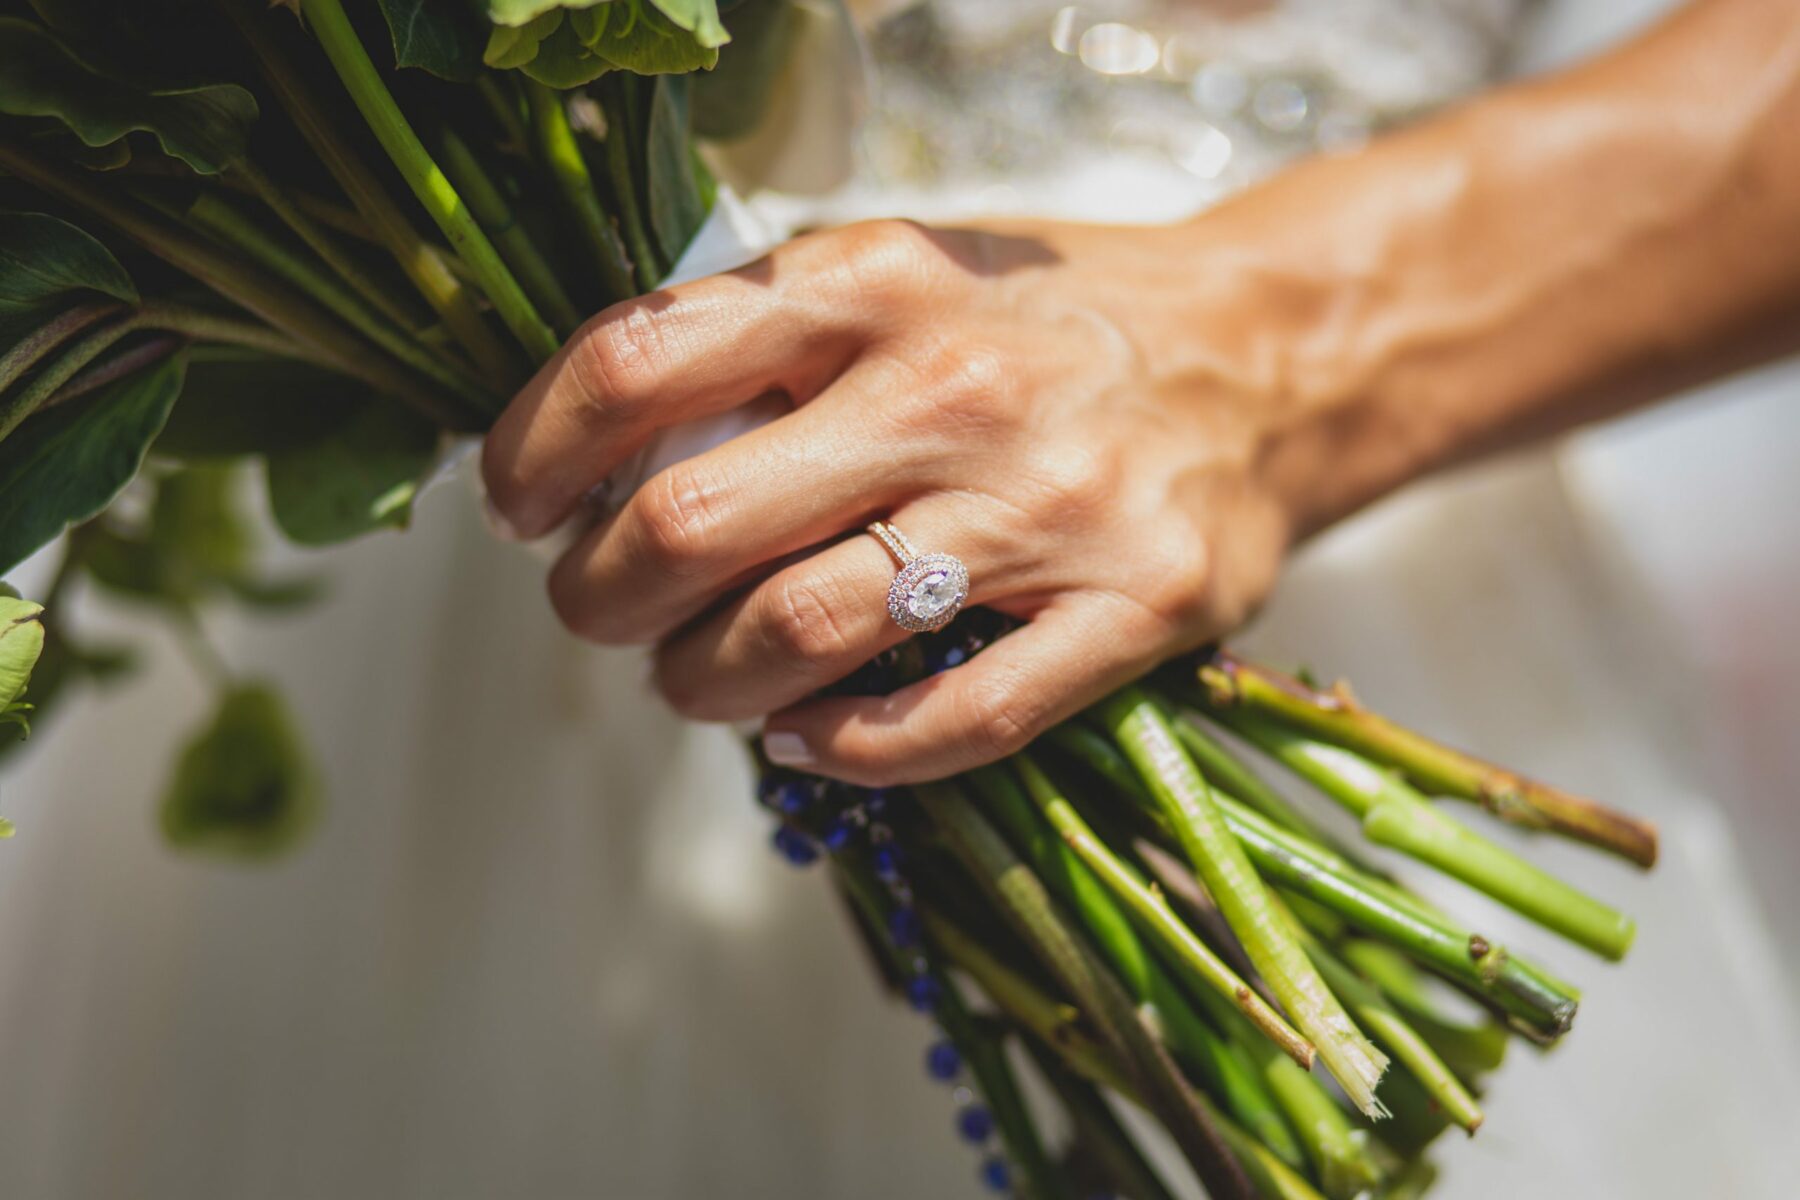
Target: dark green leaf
x=21, y=641
x=676, y=207
x=67, y=464
x=235, y=404
x=444, y=39
x=46, y=266
x=205, y=127
x=243, y=787
x=359, y=477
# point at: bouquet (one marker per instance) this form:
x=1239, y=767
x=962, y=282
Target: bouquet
x=319, y=242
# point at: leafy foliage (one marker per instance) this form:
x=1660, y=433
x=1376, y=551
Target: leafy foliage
x=356, y=477
x=444, y=39
x=48, y=265
x=566, y=47
x=21, y=642
x=243, y=787
x=67, y=464
x=205, y=127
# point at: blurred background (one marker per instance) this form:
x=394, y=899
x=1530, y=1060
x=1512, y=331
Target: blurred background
x=538, y=947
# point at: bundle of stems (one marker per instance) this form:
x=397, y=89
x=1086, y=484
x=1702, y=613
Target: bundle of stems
x=1153, y=924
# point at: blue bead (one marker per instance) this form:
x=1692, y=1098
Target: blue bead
x=954, y=656
x=942, y=1061
x=877, y=800
x=887, y=862
x=904, y=927
x=995, y=1175
x=789, y=797
x=794, y=846
x=975, y=1123
x=922, y=993
x=838, y=836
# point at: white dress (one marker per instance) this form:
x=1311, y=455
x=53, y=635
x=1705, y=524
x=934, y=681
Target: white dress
x=539, y=949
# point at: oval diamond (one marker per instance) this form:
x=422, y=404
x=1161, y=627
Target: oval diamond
x=931, y=596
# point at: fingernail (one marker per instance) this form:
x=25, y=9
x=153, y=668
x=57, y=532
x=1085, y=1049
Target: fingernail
x=497, y=523
x=788, y=749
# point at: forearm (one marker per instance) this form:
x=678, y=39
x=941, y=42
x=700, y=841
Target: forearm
x=1554, y=251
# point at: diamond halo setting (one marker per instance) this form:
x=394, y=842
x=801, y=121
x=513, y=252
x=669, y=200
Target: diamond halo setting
x=928, y=592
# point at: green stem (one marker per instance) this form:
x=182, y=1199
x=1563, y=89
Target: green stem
x=368, y=288
x=1471, y=1050
x=312, y=328
x=1021, y=896
x=1394, y=815
x=31, y=397
x=1225, y=771
x=25, y=353
x=332, y=27
x=506, y=110
x=1098, y=1129
x=1336, y=717
x=624, y=187
x=561, y=155
x=1391, y=1029
x=425, y=265
x=1205, y=968
x=985, y=1055
x=1112, y=932
x=217, y=218
x=1182, y=794
x=515, y=245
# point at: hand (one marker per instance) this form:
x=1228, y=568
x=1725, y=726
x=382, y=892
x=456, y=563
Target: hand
x=1039, y=401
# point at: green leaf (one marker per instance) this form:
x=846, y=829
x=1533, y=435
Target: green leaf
x=519, y=12
x=21, y=641
x=359, y=477
x=235, y=404
x=276, y=595
x=730, y=100
x=59, y=664
x=677, y=208
x=444, y=39
x=48, y=265
x=651, y=45
x=698, y=17
x=67, y=464
x=562, y=62
x=243, y=787
x=205, y=127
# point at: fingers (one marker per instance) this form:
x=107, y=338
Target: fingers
x=994, y=705
x=817, y=620
x=652, y=362
x=713, y=521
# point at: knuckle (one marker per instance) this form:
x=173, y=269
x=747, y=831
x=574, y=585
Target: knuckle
x=572, y=602
x=884, y=257
x=800, y=622
x=616, y=360
x=997, y=719
x=678, y=517
x=962, y=392
x=1182, y=592
x=1071, y=481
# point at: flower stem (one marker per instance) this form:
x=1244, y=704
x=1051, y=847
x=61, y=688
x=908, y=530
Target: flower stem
x=338, y=37
x=561, y=155
x=217, y=218
x=515, y=245
x=1233, y=1081
x=1021, y=896
x=1394, y=815
x=624, y=187
x=289, y=213
x=1391, y=1029
x=427, y=266
x=28, y=399
x=1098, y=1129
x=25, y=353
x=1336, y=717
x=1149, y=741
x=1154, y=914
x=314, y=330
